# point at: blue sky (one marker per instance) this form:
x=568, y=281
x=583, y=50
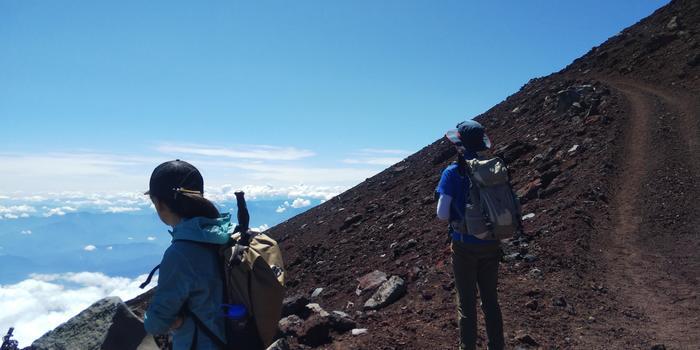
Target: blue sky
x=94, y=94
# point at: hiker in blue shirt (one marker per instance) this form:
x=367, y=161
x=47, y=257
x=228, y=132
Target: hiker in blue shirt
x=474, y=259
x=190, y=280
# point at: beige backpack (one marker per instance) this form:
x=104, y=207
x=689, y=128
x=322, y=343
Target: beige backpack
x=494, y=210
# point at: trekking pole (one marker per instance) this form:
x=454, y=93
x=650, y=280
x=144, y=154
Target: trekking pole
x=242, y=227
x=242, y=215
x=7, y=342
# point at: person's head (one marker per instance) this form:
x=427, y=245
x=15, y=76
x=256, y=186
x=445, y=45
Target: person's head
x=176, y=189
x=469, y=136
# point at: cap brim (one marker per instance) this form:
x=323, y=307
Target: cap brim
x=453, y=136
x=147, y=193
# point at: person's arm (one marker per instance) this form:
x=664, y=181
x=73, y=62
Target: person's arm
x=443, y=207
x=171, y=293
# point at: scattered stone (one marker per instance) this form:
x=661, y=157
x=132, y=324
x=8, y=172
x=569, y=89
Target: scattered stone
x=290, y=325
x=550, y=191
x=673, y=24
x=511, y=257
x=658, y=347
x=358, y=331
x=316, y=331
x=341, y=322
x=351, y=220
x=529, y=191
x=528, y=216
x=537, y=158
x=370, y=281
x=535, y=273
x=399, y=169
x=515, y=150
x=404, y=247
x=316, y=293
x=527, y=339
x=279, y=344
x=317, y=309
x=295, y=305
x=559, y=301
x=388, y=292
x=660, y=40
x=549, y=176
x=572, y=149
x=530, y=257
x=532, y=305
x=106, y=324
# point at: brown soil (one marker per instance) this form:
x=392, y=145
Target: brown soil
x=613, y=183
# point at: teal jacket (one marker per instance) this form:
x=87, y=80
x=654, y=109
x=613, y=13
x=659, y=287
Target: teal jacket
x=190, y=274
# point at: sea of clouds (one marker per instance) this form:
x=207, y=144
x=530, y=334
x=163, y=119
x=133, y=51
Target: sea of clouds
x=22, y=205
x=42, y=302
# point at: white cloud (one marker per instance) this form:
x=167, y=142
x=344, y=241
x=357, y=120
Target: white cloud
x=60, y=211
x=384, y=151
x=300, y=203
x=39, y=304
x=16, y=211
x=86, y=171
x=151, y=238
x=374, y=156
x=89, y=248
x=387, y=161
x=26, y=232
x=261, y=228
x=281, y=209
x=259, y=152
x=121, y=209
x=110, y=248
x=252, y=192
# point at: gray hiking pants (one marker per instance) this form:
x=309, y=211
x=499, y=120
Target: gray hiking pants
x=477, y=265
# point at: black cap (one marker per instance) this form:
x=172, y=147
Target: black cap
x=176, y=175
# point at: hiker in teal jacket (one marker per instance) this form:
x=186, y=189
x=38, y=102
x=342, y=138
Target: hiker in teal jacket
x=190, y=276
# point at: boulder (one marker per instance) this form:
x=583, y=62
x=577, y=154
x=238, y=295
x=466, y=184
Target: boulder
x=341, y=322
x=370, y=281
x=279, y=344
x=389, y=292
x=291, y=325
x=107, y=324
x=295, y=305
x=316, y=331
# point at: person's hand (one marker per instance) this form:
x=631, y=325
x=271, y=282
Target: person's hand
x=177, y=323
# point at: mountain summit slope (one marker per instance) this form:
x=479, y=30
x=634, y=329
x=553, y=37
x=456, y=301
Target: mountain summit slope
x=605, y=156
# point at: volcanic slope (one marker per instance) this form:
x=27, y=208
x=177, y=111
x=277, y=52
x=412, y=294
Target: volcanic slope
x=605, y=155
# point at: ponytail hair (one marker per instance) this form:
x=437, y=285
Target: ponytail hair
x=189, y=205
x=461, y=164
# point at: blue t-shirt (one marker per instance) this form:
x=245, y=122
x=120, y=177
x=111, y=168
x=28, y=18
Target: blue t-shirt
x=457, y=186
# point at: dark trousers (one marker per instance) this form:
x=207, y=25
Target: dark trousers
x=477, y=265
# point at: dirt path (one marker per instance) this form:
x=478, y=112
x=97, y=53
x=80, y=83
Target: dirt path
x=652, y=254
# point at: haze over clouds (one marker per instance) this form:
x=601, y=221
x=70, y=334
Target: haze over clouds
x=255, y=166
x=42, y=302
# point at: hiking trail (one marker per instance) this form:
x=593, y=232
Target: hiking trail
x=651, y=253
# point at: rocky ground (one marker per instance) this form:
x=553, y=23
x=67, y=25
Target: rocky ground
x=604, y=156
